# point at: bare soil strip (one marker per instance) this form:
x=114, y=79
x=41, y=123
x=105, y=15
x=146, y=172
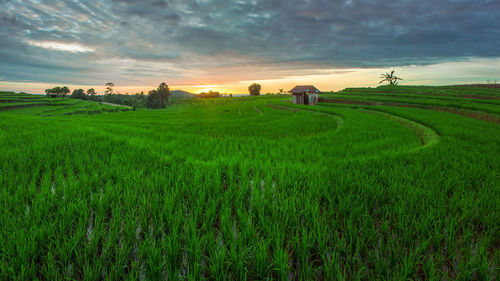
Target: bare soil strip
x=114, y=104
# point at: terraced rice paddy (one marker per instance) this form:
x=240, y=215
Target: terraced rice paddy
x=386, y=184
x=41, y=105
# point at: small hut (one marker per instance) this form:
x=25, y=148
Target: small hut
x=305, y=94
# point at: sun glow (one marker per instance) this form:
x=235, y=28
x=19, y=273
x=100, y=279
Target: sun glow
x=207, y=88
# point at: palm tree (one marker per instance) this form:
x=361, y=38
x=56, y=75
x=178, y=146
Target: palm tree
x=109, y=88
x=164, y=93
x=391, y=78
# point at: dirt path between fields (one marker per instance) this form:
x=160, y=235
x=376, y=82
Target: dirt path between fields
x=426, y=134
x=114, y=104
x=258, y=110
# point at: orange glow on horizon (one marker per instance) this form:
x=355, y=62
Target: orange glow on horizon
x=206, y=88
x=324, y=79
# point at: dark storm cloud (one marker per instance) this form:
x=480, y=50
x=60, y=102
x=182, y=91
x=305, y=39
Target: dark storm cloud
x=344, y=33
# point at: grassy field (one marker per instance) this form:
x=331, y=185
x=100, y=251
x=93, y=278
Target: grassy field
x=391, y=183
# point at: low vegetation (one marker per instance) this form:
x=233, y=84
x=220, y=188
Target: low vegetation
x=354, y=188
x=210, y=94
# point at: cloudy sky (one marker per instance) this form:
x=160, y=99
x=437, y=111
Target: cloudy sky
x=227, y=44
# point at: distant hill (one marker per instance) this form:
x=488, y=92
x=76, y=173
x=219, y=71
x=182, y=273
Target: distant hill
x=181, y=94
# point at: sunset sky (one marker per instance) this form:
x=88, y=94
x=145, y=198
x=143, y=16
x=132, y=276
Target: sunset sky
x=224, y=45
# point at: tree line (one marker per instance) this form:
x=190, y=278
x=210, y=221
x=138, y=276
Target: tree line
x=253, y=89
x=210, y=94
x=57, y=92
x=157, y=98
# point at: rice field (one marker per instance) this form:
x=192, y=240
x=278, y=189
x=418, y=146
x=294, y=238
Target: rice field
x=390, y=183
x=41, y=105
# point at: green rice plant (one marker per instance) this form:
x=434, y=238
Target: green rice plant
x=215, y=189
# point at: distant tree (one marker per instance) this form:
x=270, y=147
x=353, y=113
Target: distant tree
x=137, y=100
x=79, y=94
x=64, y=91
x=127, y=102
x=109, y=88
x=91, y=94
x=164, y=93
x=281, y=91
x=158, y=98
x=254, y=89
x=140, y=99
x=53, y=93
x=390, y=78
x=152, y=99
x=57, y=92
x=230, y=95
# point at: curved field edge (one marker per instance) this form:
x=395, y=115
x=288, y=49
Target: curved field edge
x=427, y=135
x=420, y=102
x=454, y=91
x=488, y=100
x=284, y=106
x=480, y=115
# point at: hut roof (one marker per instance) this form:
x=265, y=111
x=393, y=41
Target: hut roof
x=304, y=89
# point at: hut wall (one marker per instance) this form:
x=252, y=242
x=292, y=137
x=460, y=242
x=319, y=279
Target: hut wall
x=299, y=98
